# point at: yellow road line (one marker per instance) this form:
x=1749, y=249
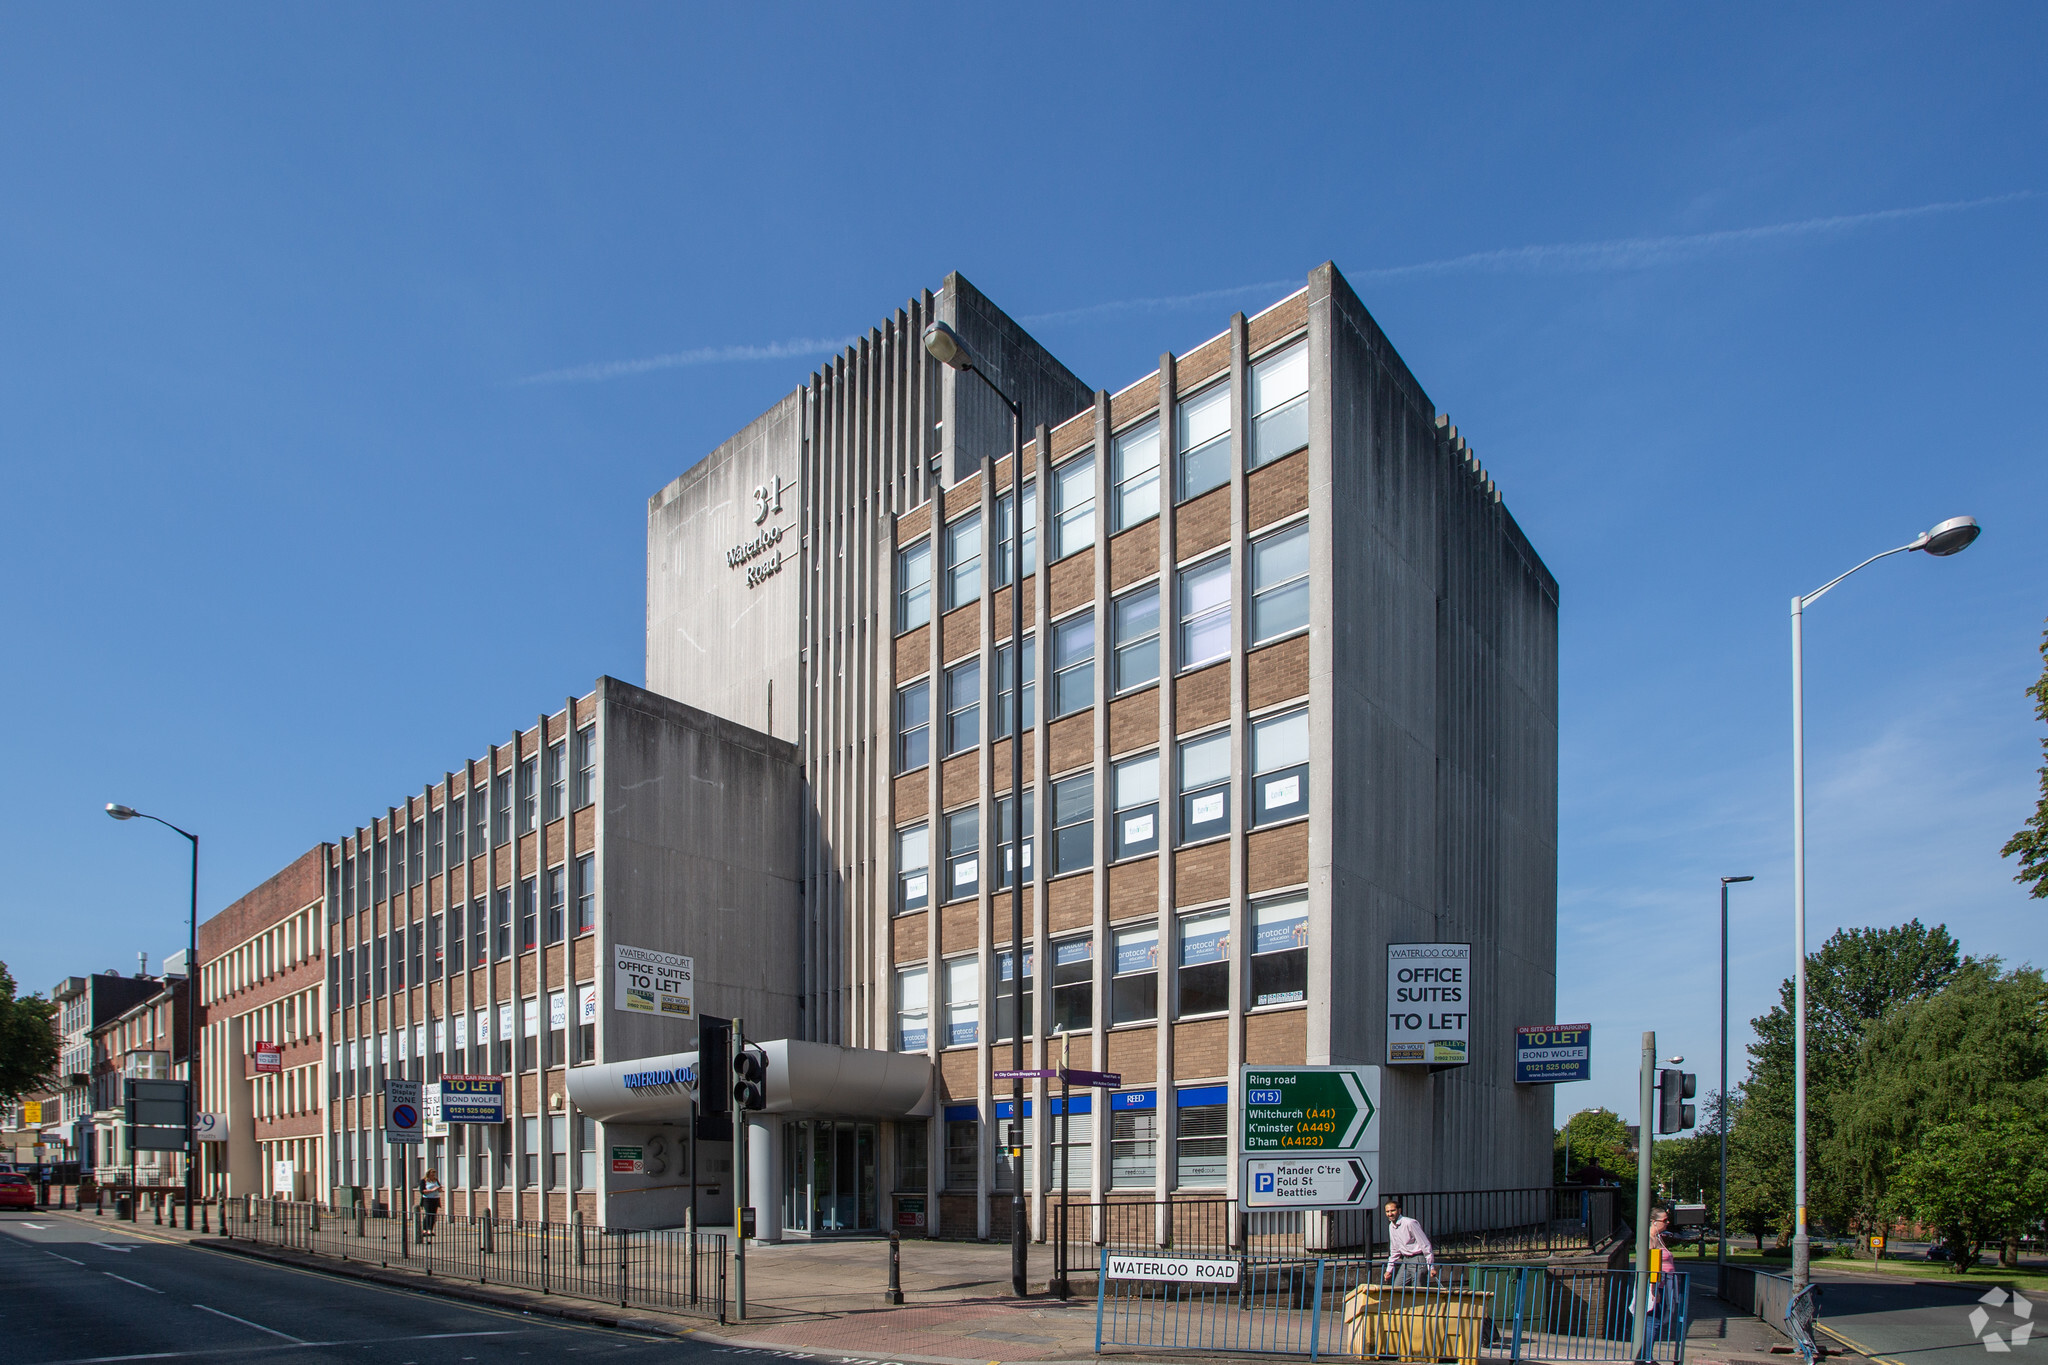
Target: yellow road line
x=1856, y=1346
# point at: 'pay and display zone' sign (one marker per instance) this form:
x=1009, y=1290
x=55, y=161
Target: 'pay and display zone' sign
x=654, y=983
x=1549, y=1053
x=1429, y=1003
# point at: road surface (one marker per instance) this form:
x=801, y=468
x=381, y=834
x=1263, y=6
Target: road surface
x=74, y=1293
x=1907, y=1322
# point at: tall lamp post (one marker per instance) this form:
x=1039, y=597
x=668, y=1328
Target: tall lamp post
x=120, y=812
x=1949, y=537
x=946, y=346
x=1721, y=1208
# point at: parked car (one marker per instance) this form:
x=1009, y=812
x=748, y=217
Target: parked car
x=16, y=1191
x=1937, y=1251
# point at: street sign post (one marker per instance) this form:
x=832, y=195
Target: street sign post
x=403, y=1121
x=1310, y=1137
x=1108, y=1080
x=1045, y=1075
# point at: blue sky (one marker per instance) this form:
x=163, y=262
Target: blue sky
x=1727, y=301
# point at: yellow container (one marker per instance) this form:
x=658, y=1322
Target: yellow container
x=1418, y=1323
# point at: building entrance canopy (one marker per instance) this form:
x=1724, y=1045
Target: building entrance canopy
x=803, y=1078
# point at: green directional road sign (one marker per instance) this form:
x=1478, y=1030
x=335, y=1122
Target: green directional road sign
x=1310, y=1137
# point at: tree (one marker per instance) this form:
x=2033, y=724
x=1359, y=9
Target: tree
x=2030, y=845
x=1856, y=978
x=28, y=1040
x=1599, y=1146
x=1979, y=1180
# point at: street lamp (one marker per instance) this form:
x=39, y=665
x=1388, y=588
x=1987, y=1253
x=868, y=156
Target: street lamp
x=1949, y=537
x=1721, y=1259
x=120, y=812
x=948, y=348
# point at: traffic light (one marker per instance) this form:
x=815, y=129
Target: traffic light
x=750, y=1077
x=714, y=1065
x=1673, y=1089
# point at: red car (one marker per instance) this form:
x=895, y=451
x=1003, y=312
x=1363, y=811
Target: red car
x=16, y=1191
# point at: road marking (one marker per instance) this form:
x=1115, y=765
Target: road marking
x=1856, y=1346
x=244, y=1350
x=282, y=1336
x=39, y=1227
x=125, y=1280
x=65, y=1258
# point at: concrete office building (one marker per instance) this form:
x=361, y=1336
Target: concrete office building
x=472, y=929
x=1290, y=696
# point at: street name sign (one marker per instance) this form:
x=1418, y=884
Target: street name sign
x=1310, y=1137
x=1025, y=1075
x=1108, y=1080
x=1172, y=1268
x=403, y=1122
x=1546, y=1054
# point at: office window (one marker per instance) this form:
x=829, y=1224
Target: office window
x=1205, y=787
x=529, y=795
x=529, y=913
x=1134, y=639
x=363, y=861
x=1069, y=1139
x=457, y=942
x=435, y=840
x=398, y=862
x=1279, y=404
x=348, y=976
x=912, y=1165
x=1202, y=1150
x=1133, y=1149
x=501, y=906
x=586, y=1152
x=416, y=937
x=586, y=768
x=382, y=860
x=529, y=1032
x=1005, y=831
x=1073, y=507
x=1136, y=789
x=479, y=936
x=913, y=726
x=1202, y=442
x=557, y=903
x=963, y=1002
x=1134, y=476
x=913, y=868
x=381, y=976
x=1280, y=767
x=586, y=893
x=1073, y=664
x=501, y=1043
x=586, y=1023
x=1279, y=583
x=913, y=585
x=1279, y=963
x=963, y=1153
x=1204, y=976
x=1073, y=823
x=436, y=962
x=415, y=857
x=529, y=1151
x=963, y=707
x=501, y=808
x=348, y=885
x=1000, y=534
x=963, y=561
x=1205, y=612
x=558, y=1151
x=457, y=827
x=1134, y=987
x=963, y=853
x=555, y=781
x=334, y=893
x=557, y=1053
x=1006, y=683
x=1073, y=985
x=913, y=1009
x=1006, y=1008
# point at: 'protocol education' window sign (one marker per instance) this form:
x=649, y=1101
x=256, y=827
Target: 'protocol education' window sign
x=1428, y=1003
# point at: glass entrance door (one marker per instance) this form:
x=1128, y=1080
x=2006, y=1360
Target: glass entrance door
x=830, y=1180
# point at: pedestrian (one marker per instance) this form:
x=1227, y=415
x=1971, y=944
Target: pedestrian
x=430, y=1203
x=1663, y=1271
x=1409, y=1252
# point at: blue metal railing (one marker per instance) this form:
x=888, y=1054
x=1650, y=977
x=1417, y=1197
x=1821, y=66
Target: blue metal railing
x=1339, y=1306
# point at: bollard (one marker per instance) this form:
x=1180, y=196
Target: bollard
x=489, y=1220
x=894, y=1294
x=359, y=1219
x=576, y=1226
x=313, y=1217
x=205, y=1226
x=158, y=1202
x=99, y=1203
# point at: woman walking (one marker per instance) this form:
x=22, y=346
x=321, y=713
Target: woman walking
x=430, y=1203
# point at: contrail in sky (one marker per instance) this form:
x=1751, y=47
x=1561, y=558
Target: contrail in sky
x=702, y=355
x=1621, y=253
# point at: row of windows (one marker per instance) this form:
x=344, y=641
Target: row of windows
x=1279, y=607
x=1278, y=424
x=1276, y=967
x=281, y=946
x=1201, y=1151
x=480, y=1156
x=430, y=948
x=1202, y=811
x=468, y=1043
x=465, y=826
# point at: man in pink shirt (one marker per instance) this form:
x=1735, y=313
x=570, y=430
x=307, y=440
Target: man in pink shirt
x=1409, y=1252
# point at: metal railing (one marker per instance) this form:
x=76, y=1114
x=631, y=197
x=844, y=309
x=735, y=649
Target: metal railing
x=1340, y=1306
x=677, y=1272
x=1464, y=1225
